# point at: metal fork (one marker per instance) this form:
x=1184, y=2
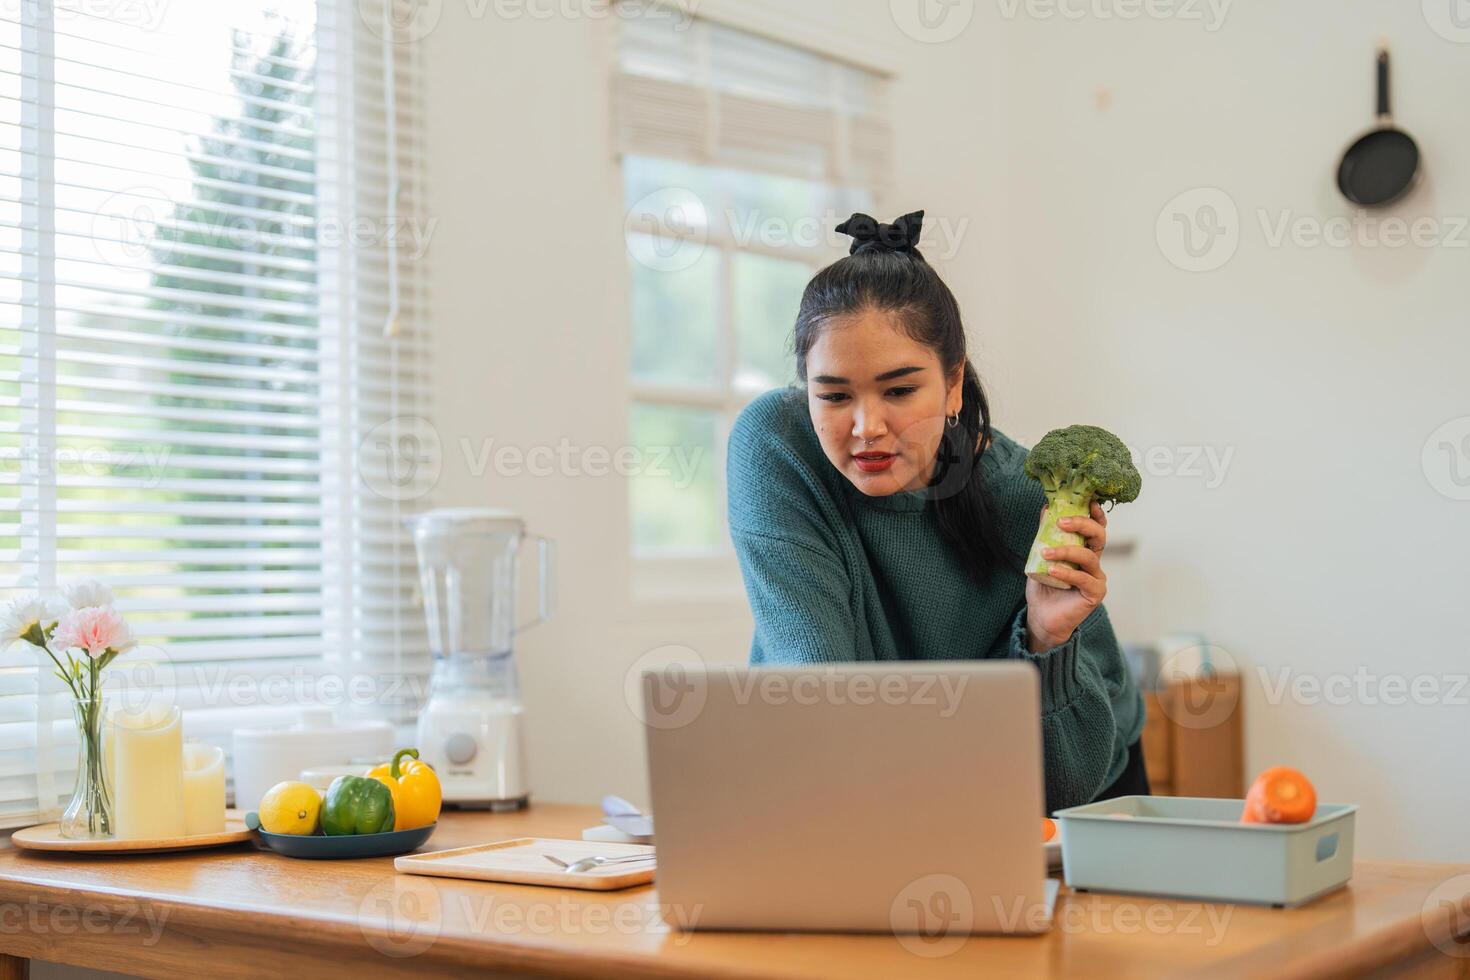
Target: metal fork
x=588, y=863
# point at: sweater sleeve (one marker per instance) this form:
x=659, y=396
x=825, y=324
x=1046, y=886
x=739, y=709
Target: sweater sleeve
x=1083, y=750
x=800, y=599
x=781, y=524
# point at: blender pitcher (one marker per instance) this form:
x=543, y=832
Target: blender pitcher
x=470, y=726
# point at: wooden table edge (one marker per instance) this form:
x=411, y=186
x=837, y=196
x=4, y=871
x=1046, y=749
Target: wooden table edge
x=519, y=954
x=320, y=935
x=1400, y=943
x=490, y=951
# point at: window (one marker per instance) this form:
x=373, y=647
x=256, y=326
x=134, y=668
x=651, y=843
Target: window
x=739, y=156
x=209, y=217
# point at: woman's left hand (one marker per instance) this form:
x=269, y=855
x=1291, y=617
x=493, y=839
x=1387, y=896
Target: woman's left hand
x=1053, y=614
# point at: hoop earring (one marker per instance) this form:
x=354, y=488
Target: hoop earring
x=951, y=421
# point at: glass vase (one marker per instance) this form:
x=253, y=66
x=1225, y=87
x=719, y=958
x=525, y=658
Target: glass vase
x=89, y=814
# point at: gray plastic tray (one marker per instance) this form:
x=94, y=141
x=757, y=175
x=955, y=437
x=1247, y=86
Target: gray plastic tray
x=1191, y=847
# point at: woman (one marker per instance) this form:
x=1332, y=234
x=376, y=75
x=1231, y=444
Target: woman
x=878, y=516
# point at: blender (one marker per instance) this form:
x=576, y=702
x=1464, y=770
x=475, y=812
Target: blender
x=470, y=728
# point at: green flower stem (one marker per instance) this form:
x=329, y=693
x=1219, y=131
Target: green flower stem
x=96, y=801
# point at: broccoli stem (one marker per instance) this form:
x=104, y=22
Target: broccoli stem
x=1066, y=502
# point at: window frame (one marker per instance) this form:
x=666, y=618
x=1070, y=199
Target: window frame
x=659, y=572
x=813, y=104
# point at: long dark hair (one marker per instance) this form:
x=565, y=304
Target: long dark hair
x=899, y=282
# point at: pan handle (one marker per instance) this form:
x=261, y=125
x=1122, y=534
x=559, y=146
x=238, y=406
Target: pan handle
x=1383, y=83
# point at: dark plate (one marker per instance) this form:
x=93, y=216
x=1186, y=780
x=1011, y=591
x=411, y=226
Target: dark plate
x=322, y=847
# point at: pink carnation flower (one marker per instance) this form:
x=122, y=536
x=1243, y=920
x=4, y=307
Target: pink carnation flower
x=95, y=629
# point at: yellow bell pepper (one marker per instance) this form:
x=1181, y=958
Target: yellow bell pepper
x=415, y=789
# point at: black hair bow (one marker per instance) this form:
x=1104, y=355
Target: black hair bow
x=901, y=236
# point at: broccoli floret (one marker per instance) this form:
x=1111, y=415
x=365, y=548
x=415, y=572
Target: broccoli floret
x=1075, y=466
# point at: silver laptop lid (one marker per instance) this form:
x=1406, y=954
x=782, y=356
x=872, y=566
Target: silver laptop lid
x=894, y=797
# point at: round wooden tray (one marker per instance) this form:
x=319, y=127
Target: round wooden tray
x=47, y=837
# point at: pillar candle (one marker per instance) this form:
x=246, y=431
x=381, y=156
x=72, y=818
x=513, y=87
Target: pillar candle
x=148, y=773
x=204, y=789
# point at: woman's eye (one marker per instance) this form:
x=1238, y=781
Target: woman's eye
x=903, y=390
x=833, y=396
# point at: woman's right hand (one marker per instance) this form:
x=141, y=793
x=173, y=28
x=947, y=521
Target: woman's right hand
x=1052, y=614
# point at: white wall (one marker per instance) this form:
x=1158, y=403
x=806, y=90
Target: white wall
x=530, y=303
x=1323, y=549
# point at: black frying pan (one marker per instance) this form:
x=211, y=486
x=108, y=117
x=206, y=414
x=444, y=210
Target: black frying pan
x=1384, y=163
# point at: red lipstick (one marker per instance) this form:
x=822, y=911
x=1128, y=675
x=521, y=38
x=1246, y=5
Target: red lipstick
x=870, y=462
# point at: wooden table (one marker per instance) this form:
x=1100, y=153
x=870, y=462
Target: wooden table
x=238, y=912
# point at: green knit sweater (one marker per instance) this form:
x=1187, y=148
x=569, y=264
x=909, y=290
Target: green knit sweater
x=834, y=575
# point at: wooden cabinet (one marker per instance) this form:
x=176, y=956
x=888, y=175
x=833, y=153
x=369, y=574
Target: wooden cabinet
x=1192, y=738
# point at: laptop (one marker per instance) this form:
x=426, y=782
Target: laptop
x=898, y=798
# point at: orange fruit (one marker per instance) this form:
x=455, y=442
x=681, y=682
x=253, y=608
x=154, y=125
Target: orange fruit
x=1280, y=795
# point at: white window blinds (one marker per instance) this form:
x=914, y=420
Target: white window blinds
x=209, y=213
x=708, y=93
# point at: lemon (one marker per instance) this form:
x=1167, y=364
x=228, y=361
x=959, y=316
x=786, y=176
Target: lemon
x=290, y=808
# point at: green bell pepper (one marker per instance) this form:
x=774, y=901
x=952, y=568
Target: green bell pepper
x=357, y=805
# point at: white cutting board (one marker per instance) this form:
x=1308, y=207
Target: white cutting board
x=522, y=861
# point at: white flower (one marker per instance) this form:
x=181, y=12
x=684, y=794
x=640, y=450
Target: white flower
x=21, y=616
x=85, y=593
